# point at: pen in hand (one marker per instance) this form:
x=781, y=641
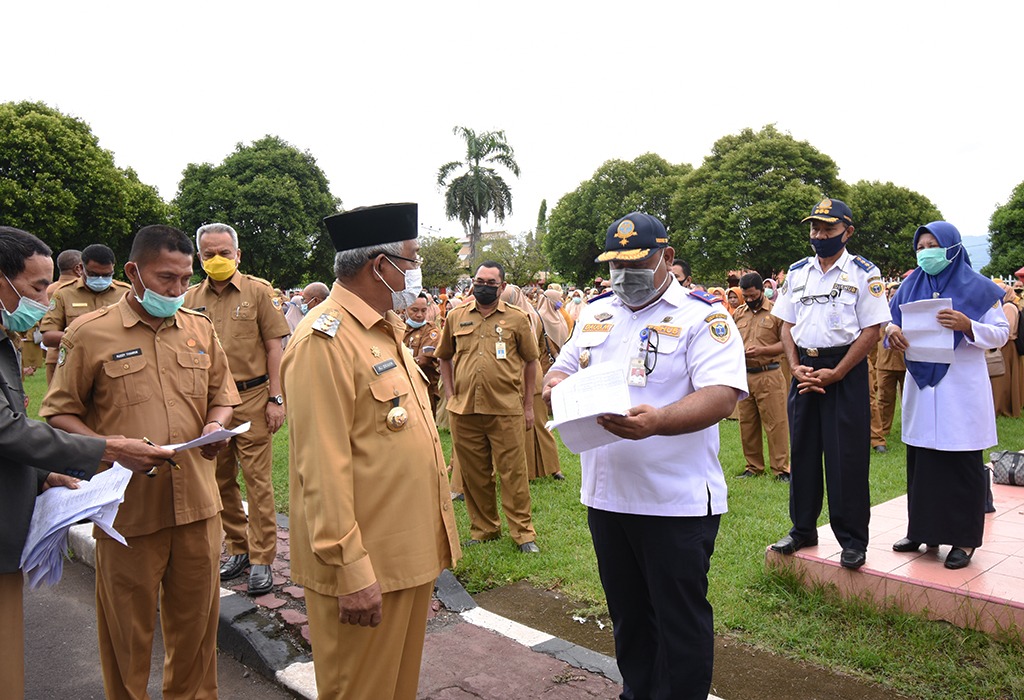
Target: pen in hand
x=152, y=472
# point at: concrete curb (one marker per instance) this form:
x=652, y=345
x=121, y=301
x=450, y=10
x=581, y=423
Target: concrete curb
x=246, y=634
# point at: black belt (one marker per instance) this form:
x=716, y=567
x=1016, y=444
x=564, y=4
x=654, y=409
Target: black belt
x=765, y=368
x=824, y=352
x=250, y=383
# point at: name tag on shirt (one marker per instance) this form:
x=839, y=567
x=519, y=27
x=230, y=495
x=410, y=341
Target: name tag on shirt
x=382, y=367
x=128, y=353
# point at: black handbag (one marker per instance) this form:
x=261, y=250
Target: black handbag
x=1008, y=468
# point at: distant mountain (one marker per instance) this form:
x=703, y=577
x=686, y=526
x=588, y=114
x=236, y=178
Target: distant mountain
x=977, y=248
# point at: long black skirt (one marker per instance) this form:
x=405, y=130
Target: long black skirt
x=946, y=494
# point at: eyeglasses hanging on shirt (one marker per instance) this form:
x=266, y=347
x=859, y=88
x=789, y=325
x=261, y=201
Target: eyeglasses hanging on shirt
x=646, y=359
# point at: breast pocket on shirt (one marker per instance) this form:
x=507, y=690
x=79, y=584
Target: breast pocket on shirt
x=244, y=323
x=389, y=391
x=463, y=339
x=128, y=381
x=665, y=362
x=194, y=373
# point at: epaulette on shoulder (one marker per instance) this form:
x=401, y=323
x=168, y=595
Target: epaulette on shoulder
x=193, y=312
x=327, y=323
x=513, y=306
x=122, y=285
x=708, y=299
x=798, y=264
x=863, y=263
x=254, y=278
x=603, y=295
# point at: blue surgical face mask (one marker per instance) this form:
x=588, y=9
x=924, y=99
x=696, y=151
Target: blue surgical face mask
x=934, y=260
x=157, y=305
x=28, y=313
x=98, y=283
x=304, y=308
x=415, y=324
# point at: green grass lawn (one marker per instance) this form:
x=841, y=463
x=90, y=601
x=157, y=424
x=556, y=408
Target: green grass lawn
x=909, y=654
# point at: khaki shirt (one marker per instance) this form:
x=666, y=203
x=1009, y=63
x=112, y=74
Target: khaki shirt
x=367, y=503
x=426, y=337
x=74, y=299
x=246, y=314
x=759, y=328
x=120, y=377
x=483, y=383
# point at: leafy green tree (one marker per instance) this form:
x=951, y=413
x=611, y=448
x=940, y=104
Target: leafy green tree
x=885, y=217
x=480, y=191
x=276, y=197
x=440, y=262
x=743, y=205
x=1006, y=236
x=56, y=182
x=577, y=226
x=542, y=218
x=521, y=256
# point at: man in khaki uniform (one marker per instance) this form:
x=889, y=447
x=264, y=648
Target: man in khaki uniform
x=69, y=263
x=890, y=370
x=422, y=338
x=488, y=353
x=93, y=289
x=766, y=404
x=144, y=368
x=247, y=315
x=371, y=520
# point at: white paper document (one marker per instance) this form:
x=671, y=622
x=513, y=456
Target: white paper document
x=215, y=436
x=577, y=401
x=57, y=509
x=928, y=341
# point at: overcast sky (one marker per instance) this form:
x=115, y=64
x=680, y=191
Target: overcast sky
x=923, y=94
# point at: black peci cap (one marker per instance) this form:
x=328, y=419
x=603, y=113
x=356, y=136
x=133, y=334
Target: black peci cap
x=369, y=226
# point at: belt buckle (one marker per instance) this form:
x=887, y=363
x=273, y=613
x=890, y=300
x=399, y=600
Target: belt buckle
x=812, y=352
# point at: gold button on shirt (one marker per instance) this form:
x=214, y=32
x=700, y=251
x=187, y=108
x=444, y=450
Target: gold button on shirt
x=245, y=312
x=483, y=383
x=73, y=300
x=367, y=502
x=120, y=377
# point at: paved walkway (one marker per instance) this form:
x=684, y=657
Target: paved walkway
x=469, y=652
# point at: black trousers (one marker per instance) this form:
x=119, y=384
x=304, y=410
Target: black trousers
x=654, y=571
x=836, y=424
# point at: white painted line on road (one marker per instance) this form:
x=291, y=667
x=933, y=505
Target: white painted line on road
x=527, y=636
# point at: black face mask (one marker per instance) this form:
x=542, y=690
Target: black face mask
x=485, y=295
x=755, y=305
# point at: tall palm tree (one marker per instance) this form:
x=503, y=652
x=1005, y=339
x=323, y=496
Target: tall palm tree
x=480, y=191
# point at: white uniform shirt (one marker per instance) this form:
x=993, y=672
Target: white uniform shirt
x=956, y=414
x=856, y=300
x=698, y=346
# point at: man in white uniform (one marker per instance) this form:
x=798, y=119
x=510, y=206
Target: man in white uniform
x=654, y=498
x=832, y=304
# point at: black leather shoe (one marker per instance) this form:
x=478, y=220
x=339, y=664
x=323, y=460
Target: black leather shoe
x=529, y=548
x=958, y=558
x=234, y=566
x=260, y=579
x=747, y=474
x=784, y=477
x=558, y=476
x=852, y=558
x=906, y=545
x=880, y=449
x=791, y=543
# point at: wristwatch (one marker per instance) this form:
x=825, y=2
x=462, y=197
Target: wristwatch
x=279, y=400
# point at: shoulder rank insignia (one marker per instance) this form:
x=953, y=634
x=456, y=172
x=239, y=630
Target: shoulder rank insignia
x=605, y=295
x=705, y=297
x=863, y=263
x=798, y=264
x=327, y=323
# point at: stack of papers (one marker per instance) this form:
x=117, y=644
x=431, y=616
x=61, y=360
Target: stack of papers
x=57, y=509
x=578, y=400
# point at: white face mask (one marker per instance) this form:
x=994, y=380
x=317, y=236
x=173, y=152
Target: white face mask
x=413, y=286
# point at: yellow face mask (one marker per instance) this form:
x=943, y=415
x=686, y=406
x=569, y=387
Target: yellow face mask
x=220, y=268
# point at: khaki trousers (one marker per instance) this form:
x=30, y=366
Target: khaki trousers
x=369, y=663
x=179, y=566
x=884, y=404
x=12, y=637
x=541, y=450
x=481, y=441
x=765, y=407
x=253, y=449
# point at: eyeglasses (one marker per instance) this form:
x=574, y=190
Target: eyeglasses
x=649, y=344
x=417, y=261
x=819, y=298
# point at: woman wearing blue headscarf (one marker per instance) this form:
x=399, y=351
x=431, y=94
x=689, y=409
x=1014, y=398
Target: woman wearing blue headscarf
x=947, y=409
